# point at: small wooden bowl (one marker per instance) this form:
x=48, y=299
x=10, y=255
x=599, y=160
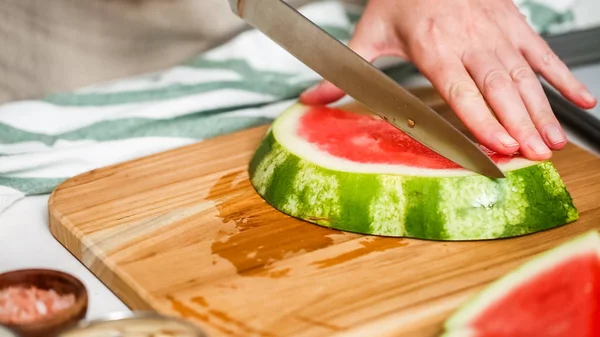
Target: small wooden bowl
x=47, y=279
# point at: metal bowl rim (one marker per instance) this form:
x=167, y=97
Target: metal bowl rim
x=125, y=315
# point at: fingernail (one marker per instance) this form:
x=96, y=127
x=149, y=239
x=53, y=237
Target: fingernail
x=537, y=145
x=588, y=96
x=507, y=140
x=554, y=135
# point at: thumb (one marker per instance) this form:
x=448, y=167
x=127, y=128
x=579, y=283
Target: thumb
x=321, y=94
x=325, y=92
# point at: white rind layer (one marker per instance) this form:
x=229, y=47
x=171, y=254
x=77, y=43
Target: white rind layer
x=286, y=127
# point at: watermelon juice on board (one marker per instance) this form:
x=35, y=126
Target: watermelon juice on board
x=346, y=169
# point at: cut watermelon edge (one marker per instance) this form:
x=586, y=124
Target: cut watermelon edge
x=579, y=245
x=290, y=119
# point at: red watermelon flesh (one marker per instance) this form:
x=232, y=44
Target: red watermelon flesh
x=556, y=295
x=561, y=302
x=367, y=139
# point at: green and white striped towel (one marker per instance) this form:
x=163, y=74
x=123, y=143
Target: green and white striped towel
x=243, y=83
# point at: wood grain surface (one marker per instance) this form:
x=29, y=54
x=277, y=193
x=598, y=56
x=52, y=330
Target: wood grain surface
x=184, y=233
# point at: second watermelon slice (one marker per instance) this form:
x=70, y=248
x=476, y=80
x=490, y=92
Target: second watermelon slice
x=556, y=294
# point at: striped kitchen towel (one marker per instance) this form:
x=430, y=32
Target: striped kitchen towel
x=243, y=83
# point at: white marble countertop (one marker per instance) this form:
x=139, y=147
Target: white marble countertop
x=26, y=242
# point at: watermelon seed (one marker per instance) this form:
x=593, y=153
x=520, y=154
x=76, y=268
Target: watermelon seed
x=411, y=123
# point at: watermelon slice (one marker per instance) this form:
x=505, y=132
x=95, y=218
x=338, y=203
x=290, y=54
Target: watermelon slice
x=556, y=294
x=346, y=169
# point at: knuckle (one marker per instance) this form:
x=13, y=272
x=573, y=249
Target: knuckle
x=524, y=129
x=488, y=121
x=522, y=73
x=474, y=55
x=542, y=121
x=497, y=80
x=472, y=32
x=427, y=52
x=428, y=34
x=432, y=29
x=542, y=115
x=485, y=123
x=463, y=90
x=549, y=57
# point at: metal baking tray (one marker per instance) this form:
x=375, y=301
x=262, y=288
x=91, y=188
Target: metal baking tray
x=580, y=50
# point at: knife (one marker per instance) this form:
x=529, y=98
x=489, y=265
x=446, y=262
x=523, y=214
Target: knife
x=362, y=81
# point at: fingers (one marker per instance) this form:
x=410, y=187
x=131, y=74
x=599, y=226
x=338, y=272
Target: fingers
x=501, y=93
x=533, y=97
x=453, y=82
x=373, y=37
x=321, y=94
x=544, y=61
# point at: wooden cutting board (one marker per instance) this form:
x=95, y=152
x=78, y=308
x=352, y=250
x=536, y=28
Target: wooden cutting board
x=184, y=233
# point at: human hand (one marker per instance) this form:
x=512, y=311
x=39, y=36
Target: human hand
x=475, y=53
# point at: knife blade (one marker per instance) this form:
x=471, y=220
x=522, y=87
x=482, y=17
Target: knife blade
x=362, y=81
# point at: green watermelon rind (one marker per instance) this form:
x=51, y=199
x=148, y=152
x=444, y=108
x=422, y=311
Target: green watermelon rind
x=585, y=243
x=455, y=205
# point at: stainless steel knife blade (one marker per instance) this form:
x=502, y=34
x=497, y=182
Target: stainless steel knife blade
x=362, y=81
